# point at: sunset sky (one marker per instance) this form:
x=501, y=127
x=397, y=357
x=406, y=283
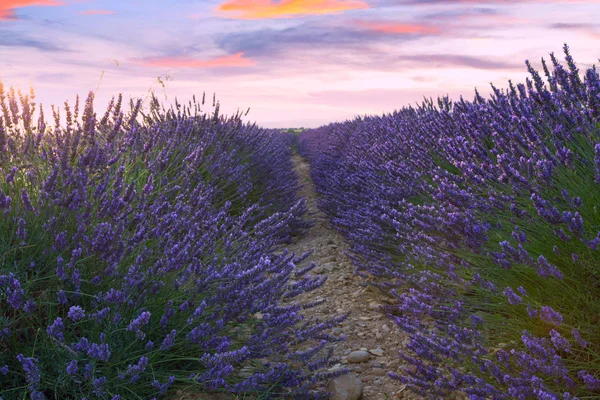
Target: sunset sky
x=293, y=62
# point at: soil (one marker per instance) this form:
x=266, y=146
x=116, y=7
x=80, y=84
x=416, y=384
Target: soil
x=366, y=328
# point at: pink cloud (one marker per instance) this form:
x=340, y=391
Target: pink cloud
x=491, y=19
x=7, y=7
x=262, y=9
x=97, y=12
x=235, y=60
x=397, y=28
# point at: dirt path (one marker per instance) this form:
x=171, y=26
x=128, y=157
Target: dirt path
x=366, y=328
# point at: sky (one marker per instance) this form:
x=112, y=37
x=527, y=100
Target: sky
x=294, y=63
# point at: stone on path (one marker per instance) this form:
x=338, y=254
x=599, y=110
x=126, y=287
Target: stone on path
x=345, y=387
x=378, y=352
x=358, y=356
x=330, y=266
x=318, y=270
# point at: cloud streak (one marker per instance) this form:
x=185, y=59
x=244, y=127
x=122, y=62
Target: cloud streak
x=235, y=60
x=266, y=9
x=306, y=39
x=14, y=39
x=97, y=12
x=451, y=60
x=8, y=7
x=389, y=27
x=352, y=47
x=591, y=30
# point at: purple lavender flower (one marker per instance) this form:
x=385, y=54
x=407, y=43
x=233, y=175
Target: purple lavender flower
x=14, y=292
x=114, y=296
x=56, y=329
x=37, y=395
x=61, y=297
x=591, y=382
x=60, y=242
x=100, y=350
x=134, y=370
x=21, y=230
x=576, y=224
x=169, y=341
x=559, y=342
x=162, y=388
x=60, y=269
x=76, y=313
x=593, y=244
x=545, y=269
x=548, y=314
x=72, y=367
x=31, y=371
x=26, y=200
x=98, y=386
x=513, y=298
x=197, y=313
x=10, y=177
x=519, y=235
x=101, y=314
x=83, y=345
x=149, y=186
x=29, y=306
x=75, y=279
x=5, y=203
x=578, y=338
x=87, y=372
x=137, y=324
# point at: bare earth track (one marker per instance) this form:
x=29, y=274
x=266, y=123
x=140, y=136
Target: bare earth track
x=366, y=328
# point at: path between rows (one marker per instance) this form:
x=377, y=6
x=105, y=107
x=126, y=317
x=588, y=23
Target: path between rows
x=366, y=328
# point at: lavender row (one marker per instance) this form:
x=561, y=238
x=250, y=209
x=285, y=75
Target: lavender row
x=480, y=218
x=137, y=256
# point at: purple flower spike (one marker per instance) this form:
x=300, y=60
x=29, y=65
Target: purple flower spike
x=76, y=313
x=548, y=314
x=513, y=298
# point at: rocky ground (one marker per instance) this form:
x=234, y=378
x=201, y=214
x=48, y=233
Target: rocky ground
x=372, y=340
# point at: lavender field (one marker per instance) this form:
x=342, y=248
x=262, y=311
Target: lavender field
x=137, y=257
x=183, y=253
x=481, y=218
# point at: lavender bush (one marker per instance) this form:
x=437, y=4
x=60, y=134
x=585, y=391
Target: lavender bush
x=138, y=256
x=481, y=219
